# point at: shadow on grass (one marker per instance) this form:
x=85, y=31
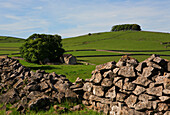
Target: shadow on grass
x=44, y=68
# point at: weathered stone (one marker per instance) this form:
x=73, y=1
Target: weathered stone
x=120, y=97
x=155, y=104
x=70, y=59
x=100, y=107
x=76, y=108
x=69, y=94
x=55, y=107
x=127, y=71
x=161, y=79
x=166, y=82
x=79, y=80
x=162, y=107
x=62, y=110
x=167, y=113
x=99, y=99
x=166, y=91
x=9, y=97
x=120, y=63
x=115, y=109
x=85, y=102
x=145, y=97
x=168, y=66
x=108, y=74
x=142, y=105
x=130, y=101
x=159, y=61
x=33, y=95
x=107, y=82
x=157, y=91
x=106, y=109
x=34, y=87
x=60, y=97
x=139, y=90
x=131, y=62
x=116, y=78
x=62, y=87
x=98, y=77
x=128, y=86
x=140, y=67
x=79, y=85
x=18, y=83
x=111, y=93
x=150, y=58
x=116, y=70
x=43, y=86
x=108, y=65
x=142, y=81
x=119, y=83
x=79, y=91
x=39, y=103
x=154, y=65
x=87, y=95
x=88, y=87
x=98, y=90
x=148, y=71
x=164, y=98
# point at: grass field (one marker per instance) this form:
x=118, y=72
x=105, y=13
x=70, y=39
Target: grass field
x=122, y=40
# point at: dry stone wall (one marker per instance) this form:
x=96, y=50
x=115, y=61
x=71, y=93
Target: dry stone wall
x=25, y=89
x=123, y=88
x=129, y=87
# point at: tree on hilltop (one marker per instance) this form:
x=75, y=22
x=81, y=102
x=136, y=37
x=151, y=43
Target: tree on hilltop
x=125, y=27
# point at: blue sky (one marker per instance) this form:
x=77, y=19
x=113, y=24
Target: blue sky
x=21, y=18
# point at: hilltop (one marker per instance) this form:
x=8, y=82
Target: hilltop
x=8, y=39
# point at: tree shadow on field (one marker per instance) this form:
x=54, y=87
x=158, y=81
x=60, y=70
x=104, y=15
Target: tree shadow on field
x=44, y=68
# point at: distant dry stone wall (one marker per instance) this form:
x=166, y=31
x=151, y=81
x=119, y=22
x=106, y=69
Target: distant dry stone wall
x=129, y=88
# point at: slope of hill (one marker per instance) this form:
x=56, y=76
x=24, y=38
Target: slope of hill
x=7, y=39
x=122, y=42
x=10, y=45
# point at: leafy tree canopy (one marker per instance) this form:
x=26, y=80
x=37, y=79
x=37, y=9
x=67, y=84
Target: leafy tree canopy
x=126, y=27
x=39, y=47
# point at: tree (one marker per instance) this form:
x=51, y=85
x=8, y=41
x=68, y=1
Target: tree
x=39, y=47
x=136, y=27
x=126, y=27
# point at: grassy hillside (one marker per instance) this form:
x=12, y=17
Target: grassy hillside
x=7, y=39
x=9, y=45
x=122, y=40
x=138, y=42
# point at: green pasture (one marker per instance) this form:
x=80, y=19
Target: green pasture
x=88, y=53
x=122, y=40
x=71, y=71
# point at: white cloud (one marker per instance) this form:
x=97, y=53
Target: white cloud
x=8, y=5
x=12, y=17
x=38, y=8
